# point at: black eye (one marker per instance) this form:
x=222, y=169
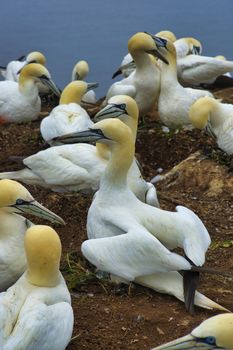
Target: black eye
x=19, y=201
x=122, y=106
x=43, y=77
x=210, y=340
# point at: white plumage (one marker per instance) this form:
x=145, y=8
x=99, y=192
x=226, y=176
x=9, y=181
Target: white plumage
x=35, y=318
x=20, y=101
x=13, y=227
x=144, y=83
x=131, y=239
x=35, y=312
x=68, y=116
x=217, y=117
x=80, y=71
x=174, y=100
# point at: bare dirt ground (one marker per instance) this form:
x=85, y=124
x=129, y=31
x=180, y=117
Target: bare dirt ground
x=110, y=318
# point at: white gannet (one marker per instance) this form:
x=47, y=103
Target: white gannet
x=174, y=100
x=195, y=70
x=130, y=239
x=128, y=65
x=186, y=46
x=125, y=108
x=20, y=101
x=16, y=200
x=36, y=312
x=80, y=167
x=213, y=333
x=144, y=84
x=80, y=71
x=68, y=116
x=11, y=71
x=217, y=118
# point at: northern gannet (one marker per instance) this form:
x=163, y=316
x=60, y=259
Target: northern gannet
x=130, y=239
x=144, y=84
x=80, y=71
x=68, y=116
x=128, y=65
x=213, y=333
x=20, y=101
x=174, y=100
x=36, y=312
x=11, y=71
x=80, y=167
x=16, y=200
x=125, y=108
x=186, y=46
x=217, y=118
x=195, y=70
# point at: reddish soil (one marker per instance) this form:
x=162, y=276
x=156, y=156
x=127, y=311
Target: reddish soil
x=109, y=317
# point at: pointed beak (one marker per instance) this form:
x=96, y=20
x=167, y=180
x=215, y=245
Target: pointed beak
x=110, y=111
x=91, y=86
x=187, y=342
x=51, y=85
x=87, y=136
x=130, y=65
x=159, y=42
x=156, y=53
x=196, y=50
x=35, y=208
x=22, y=58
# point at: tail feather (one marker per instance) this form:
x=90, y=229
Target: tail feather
x=190, y=283
x=172, y=283
x=118, y=72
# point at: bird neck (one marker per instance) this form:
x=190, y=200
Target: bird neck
x=132, y=123
x=71, y=97
x=121, y=158
x=141, y=58
x=169, y=71
x=43, y=275
x=28, y=87
x=102, y=150
x=216, y=115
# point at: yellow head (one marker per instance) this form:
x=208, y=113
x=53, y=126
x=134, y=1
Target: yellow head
x=43, y=252
x=168, y=51
x=214, y=333
x=200, y=110
x=122, y=107
x=217, y=331
x=11, y=191
x=35, y=73
x=15, y=198
x=221, y=57
x=194, y=45
x=141, y=42
x=36, y=57
x=80, y=70
x=114, y=131
x=73, y=92
x=167, y=34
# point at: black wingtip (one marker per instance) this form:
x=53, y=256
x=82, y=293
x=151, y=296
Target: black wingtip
x=21, y=58
x=190, y=282
x=118, y=72
x=3, y=67
x=221, y=82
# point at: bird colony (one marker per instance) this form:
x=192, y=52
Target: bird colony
x=89, y=148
